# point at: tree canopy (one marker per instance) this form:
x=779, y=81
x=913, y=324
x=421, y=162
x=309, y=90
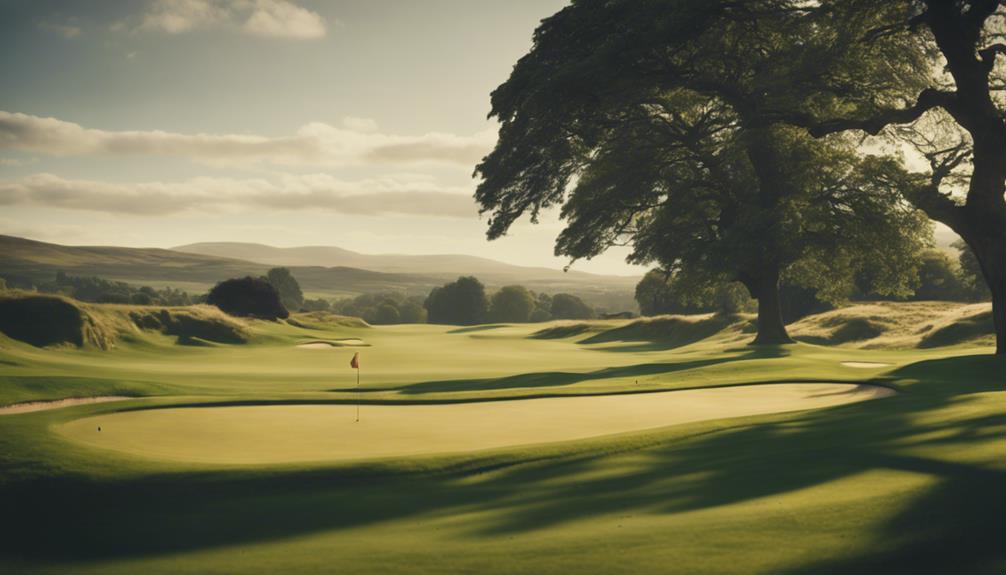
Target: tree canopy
x=383, y=308
x=929, y=74
x=248, y=297
x=654, y=124
x=568, y=306
x=288, y=288
x=462, y=302
x=511, y=304
x=659, y=293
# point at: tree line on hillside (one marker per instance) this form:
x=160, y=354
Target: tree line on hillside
x=275, y=295
x=99, y=290
x=721, y=141
x=936, y=277
x=462, y=302
x=465, y=302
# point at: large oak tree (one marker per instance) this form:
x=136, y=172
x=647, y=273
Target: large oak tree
x=651, y=122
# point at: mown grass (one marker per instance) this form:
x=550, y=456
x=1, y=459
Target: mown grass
x=907, y=484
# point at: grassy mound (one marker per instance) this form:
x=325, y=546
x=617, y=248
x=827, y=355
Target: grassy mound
x=195, y=325
x=324, y=320
x=669, y=331
x=45, y=320
x=565, y=330
x=965, y=329
x=898, y=325
x=873, y=325
x=846, y=328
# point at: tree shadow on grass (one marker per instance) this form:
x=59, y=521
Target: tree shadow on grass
x=565, y=378
x=953, y=526
x=660, y=334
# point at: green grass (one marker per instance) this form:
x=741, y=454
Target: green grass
x=245, y=432
x=907, y=484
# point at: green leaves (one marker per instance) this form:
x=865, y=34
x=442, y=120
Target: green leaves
x=665, y=125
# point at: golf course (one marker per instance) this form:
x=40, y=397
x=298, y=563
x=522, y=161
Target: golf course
x=501, y=448
x=503, y=287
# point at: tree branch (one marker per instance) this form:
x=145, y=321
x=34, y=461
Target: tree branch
x=988, y=55
x=978, y=13
x=928, y=99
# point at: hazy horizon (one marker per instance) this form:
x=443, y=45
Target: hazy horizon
x=288, y=123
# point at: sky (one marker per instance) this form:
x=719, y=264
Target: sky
x=354, y=123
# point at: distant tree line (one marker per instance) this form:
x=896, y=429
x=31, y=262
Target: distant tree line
x=286, y=287
x=99, y=290
x=277, y=294
x=461, y=302
x=382, y=308
x=464, y=302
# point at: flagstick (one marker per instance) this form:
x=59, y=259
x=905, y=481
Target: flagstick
x=358, y=395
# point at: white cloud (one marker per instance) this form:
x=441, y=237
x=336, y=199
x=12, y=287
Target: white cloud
x=376, y=196
x=178, y=16
x=282, y=19
x=270, y=18
x=357, y=142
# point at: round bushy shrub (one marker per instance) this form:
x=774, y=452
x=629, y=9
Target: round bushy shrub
x=248, y=297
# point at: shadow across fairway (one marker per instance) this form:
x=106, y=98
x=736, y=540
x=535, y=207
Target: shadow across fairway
x=565, y=378
x=661, y=334
x=951, y=526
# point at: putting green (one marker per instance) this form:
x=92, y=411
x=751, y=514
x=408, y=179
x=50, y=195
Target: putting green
x=299, y=433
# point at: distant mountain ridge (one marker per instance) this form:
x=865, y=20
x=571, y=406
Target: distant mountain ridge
x=25, y=261
x=393, y=263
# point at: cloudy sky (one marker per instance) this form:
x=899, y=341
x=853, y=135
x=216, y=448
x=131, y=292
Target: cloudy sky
x=354, y=123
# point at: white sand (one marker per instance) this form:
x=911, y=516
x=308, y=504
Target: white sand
x=865, y=364
x=299, y=433
x=57, y=403
x=331, y=344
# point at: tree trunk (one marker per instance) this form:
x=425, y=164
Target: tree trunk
x=999, y=316
x=765, y=288
x=991, y=255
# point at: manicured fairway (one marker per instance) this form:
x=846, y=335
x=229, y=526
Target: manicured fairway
x=298, y=433
x=541, y=475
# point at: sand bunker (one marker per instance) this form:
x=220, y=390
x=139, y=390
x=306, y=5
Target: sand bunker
x=299, y=433
x=329, y=344
x=54, y=404
x=865, y=364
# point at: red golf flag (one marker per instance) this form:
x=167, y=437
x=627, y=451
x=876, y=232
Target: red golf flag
x=355, y=362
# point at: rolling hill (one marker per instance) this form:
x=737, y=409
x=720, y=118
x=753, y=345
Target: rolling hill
x=445, y=264
x=29, y=261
